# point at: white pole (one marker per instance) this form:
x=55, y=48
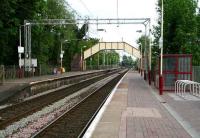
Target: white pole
x=150, y=45
x=82, y=58
x=161, y=54
x=161, y=49
x=149, y=68
x=145, y=53
x=20, y=44
x=141, y=66
x=61, y=55
x=98, y=60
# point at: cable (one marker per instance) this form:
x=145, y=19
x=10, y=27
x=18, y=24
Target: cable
x=72, y=10
x=86, y=7
x=117, y=14
x=117, y=10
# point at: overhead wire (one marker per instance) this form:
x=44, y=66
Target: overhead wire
x=117, y=13
x=85, y=6
x=73, y=11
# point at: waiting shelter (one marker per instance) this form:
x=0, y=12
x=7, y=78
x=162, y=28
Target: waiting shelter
x=175, y=67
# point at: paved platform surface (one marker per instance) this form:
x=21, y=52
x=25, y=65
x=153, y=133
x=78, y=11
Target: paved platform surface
x=10, y=86
x=188, y=109
x=136, y=112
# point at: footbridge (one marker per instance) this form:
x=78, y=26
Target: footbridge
x=112, y=46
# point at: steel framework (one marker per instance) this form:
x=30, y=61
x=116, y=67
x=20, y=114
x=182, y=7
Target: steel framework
x=143, y=21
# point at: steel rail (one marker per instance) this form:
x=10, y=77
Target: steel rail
x=18, y=111
x=113, y=80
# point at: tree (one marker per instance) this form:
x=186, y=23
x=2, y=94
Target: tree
x=127, y=61
x=46, y=39
x=12, y=15
x=180, y=27
x=105, y=57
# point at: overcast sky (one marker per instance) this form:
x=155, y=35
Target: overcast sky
x=108, y=9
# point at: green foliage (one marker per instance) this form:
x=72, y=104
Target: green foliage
x=141, y=43
x=46, y=40
x=181, y=28
x=127, y=61
x=12, y=15
x=104, y=58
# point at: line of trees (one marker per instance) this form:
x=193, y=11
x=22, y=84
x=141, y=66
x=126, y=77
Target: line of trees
x=46, y=40
x=128, y=62
x=181, y=28
x=104, y=58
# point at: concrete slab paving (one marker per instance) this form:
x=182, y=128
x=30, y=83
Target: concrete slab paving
x=188, y=109
x=134, y=112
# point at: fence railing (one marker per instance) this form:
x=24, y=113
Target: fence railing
x=14, y=72
x=196, y=73
x=195, y=76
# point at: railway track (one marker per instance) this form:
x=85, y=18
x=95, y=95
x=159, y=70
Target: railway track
x=16, y=112
x=74, y=122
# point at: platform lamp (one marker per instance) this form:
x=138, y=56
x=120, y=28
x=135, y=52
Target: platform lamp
x=82, y=57
x=140, y=70
x=61, y=52
x=150, y=43
x=161, y=52
x=20, y=48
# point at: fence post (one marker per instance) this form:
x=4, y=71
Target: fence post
x=14, y=72
x=2, y=74
x=40, y=72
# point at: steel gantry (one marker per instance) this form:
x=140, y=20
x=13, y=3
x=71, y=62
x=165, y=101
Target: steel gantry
x=92, y=21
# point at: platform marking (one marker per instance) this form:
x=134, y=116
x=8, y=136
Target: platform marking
x=96, y=120
x=123, y=85
x=187, y=97
x=141, y=112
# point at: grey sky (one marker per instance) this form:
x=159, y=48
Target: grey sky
x=108, y=9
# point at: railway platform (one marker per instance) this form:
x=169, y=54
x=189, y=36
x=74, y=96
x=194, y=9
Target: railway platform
x=135, y=110
x=10, y=87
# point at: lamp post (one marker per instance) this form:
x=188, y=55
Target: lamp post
x=140, y=31
x=149, y=67
x=145, y=53
x=161, y=53
x=27, y=46
x=82, y=57
x=61, y=53
x=20, y=48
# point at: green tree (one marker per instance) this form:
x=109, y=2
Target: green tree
x=105, y=57
x=12, y=15
x=127, y=61
x=180, y=27
x=46, y=39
